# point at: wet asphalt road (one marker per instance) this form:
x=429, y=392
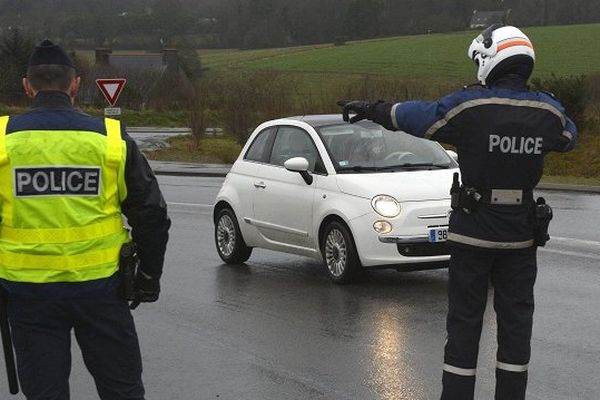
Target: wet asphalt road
x=276, y=328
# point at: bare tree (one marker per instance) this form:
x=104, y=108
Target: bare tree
x=143, y=82
x=15, y=48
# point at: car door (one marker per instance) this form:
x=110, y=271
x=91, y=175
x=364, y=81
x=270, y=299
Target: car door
x=243, y=176
x=283, y=201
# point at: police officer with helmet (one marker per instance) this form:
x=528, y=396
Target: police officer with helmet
x=66, y=178
x=501, y=131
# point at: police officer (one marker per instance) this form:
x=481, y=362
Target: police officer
x=65, y=180
x=502, y=131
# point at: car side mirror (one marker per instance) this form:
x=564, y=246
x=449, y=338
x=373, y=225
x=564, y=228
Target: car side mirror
x=300, y=165
x=452, y=155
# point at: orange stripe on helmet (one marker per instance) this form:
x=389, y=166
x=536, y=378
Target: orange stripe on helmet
x=513, y=43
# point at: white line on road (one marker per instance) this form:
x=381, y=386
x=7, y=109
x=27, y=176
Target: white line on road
x=172, y=203
x=571, y=253
x=577, y=241
x=575, y=244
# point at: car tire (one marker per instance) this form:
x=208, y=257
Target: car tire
x=339, y=253
x=228, y=238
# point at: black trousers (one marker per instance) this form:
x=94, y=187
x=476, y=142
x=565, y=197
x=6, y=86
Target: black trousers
x=105, y=332
x=512, y=274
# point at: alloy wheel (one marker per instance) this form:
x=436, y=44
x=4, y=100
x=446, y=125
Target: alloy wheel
x=336, y=253
x=226, y=235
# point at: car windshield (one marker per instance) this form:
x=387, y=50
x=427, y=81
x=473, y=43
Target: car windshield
x=368, y=147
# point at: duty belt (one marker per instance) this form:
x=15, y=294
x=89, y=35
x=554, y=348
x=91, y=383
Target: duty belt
x=504, y=197
x=469, y=198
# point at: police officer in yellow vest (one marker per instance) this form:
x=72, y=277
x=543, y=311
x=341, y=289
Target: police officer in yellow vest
x=66, y=178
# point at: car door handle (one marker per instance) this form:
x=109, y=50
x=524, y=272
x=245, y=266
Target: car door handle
x=260, y=185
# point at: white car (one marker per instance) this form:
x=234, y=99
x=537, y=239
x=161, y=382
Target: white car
x=354, y=195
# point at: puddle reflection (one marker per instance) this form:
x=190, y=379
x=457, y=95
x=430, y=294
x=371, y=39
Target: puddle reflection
x=392, y=376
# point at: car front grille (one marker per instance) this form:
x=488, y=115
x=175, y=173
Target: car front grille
x=423, y=249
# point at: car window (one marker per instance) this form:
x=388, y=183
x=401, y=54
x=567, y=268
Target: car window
x=260, y=148
x=293, y=142
x=372, y=146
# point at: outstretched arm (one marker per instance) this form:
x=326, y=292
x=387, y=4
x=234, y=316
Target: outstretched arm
x=430, y=120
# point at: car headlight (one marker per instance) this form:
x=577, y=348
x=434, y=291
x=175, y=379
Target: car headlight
x=386, y=206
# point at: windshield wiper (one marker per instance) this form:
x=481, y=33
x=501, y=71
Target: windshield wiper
x=362, y=168
x=358, y=168
x=415, y=165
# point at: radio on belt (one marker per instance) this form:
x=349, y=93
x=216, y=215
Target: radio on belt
x=57, y=181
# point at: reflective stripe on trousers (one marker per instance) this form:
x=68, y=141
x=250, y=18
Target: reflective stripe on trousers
x=512, y=367
x=460, y=371
x=473, y=371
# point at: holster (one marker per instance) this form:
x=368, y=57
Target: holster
x=462, y=197
x=128, y=263
x=542, y=217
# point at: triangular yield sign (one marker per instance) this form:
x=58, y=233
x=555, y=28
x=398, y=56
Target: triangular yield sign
x=111, y=89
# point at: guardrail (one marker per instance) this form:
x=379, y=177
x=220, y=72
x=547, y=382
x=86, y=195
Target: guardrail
x=158, y=130
x=173, y=131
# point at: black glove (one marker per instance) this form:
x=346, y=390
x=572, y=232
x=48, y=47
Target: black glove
x=563, y=143
x=146, y=289
x=362, y=109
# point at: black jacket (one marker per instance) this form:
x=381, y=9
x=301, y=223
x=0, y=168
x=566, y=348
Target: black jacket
x=501, y=134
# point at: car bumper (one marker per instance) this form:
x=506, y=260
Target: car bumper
x=404, y=239
x=408, y=249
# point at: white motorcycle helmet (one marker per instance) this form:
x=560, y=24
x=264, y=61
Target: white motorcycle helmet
x=499, y=50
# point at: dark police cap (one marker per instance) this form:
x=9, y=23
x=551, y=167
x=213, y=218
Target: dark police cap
x=49, y=53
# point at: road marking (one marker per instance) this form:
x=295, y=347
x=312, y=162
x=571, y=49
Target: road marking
x=571, y=253
x=578, y=241
x=172, y=203
x=575, y=244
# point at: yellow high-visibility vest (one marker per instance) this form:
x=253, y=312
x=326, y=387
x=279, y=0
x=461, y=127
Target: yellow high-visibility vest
x=60, y=196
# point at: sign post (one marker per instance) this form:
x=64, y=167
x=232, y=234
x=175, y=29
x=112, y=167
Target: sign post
x=111, y=90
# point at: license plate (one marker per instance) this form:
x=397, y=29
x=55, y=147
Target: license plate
x=438, y=235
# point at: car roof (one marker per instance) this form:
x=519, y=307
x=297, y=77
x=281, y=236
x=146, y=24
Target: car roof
x=317, y=121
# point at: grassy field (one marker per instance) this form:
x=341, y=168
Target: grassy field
x=562, y=50
x=425, y=66
x=572, y=180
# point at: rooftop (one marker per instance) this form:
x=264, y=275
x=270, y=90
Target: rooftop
x=486, y=18
x=317, y=121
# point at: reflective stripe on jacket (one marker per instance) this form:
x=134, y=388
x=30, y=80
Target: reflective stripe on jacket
x=60, y=196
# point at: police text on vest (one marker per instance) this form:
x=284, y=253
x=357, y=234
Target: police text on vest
x=515, y=145
x=57, y=181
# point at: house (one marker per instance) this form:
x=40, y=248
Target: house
x=483, y=19
x=164, y=59
x=153, y=77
